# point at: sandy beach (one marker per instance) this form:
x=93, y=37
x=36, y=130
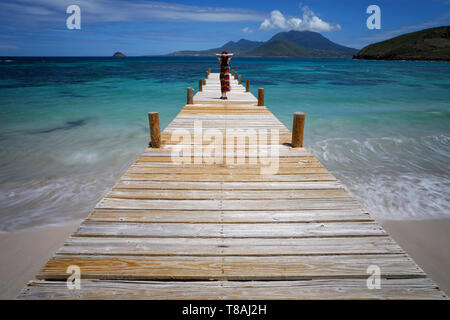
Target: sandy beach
x=22, y=254
x=428, y=243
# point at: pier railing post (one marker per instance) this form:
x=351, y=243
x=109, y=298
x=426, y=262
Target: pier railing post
x=204, y=82
x=209, y=71
x=190, y=96
x=260, y=96
x=297, y=129
x=247, y=85
x=155, y=133
x=207, y=74
x=240, y=79
x=200, y=85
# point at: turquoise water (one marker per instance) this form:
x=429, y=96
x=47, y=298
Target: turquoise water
x=69, y=127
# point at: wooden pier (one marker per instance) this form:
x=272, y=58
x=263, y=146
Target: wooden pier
x=205, y=230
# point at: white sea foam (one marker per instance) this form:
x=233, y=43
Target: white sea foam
x=394, y=178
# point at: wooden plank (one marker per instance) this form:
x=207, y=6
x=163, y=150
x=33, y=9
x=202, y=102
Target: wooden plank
x=232, y=154
x=223, y=171
x=283, y=164
x=237, y=230
x=228, y=246
x=168, y=158
x=221, y=216
x=286, y=204
x=195, y=185
x=229, y=178
x=235, y=290
x=118, y=193
x=230, y=267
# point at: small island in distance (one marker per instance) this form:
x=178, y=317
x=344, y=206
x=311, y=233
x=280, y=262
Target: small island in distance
x=119, y=54
x=428, y=44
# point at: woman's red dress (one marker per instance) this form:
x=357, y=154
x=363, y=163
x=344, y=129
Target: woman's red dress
x=224, y=76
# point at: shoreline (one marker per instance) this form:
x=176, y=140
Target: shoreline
x=23, y=253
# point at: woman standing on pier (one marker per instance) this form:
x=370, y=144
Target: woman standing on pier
x=224, y=59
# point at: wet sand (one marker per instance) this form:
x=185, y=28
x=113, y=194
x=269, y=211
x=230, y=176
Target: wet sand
x=22, y=254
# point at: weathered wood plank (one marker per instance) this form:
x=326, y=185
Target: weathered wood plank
x=222, y=171
x=196, y=185
x=228, y=246
x=118, y=193
x=255, y=290
x=230, y=267
x=168, y=158
x=230, y=178
x=286, y=204
x=237, y=230
x=221, y=216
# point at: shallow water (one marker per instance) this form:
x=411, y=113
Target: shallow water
x=69, y=127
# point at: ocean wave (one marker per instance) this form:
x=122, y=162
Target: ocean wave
x=50, y=201
x=394, y=178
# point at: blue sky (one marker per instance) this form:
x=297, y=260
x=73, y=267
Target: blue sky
x=137, y=27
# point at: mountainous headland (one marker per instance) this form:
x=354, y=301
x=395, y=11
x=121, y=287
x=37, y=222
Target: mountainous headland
x=306, y=44
x=428, y=44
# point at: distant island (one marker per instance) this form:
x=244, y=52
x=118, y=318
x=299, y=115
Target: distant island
x=119, y=54
x=305, y=44
x=428, y=44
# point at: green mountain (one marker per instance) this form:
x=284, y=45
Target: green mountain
x=239, y=48
x=286, y=44
x=313, y=40
x=428, y=44
x=285, y=48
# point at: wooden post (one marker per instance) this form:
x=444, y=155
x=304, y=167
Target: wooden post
x=247, y=85
x=207, y=74
x=190, y=96
x=155, y=134
x=200, y=85
x=260, y=96
x=209, y=71
x=204, y=82
x=240, y=79
x=297, y=129
x=235, y=75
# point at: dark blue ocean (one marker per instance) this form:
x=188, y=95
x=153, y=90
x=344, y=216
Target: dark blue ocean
x=69, y=127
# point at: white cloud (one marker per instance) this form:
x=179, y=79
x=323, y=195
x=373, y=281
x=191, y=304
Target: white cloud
x=122, y=10
x=309, y=21
x=247, y=30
